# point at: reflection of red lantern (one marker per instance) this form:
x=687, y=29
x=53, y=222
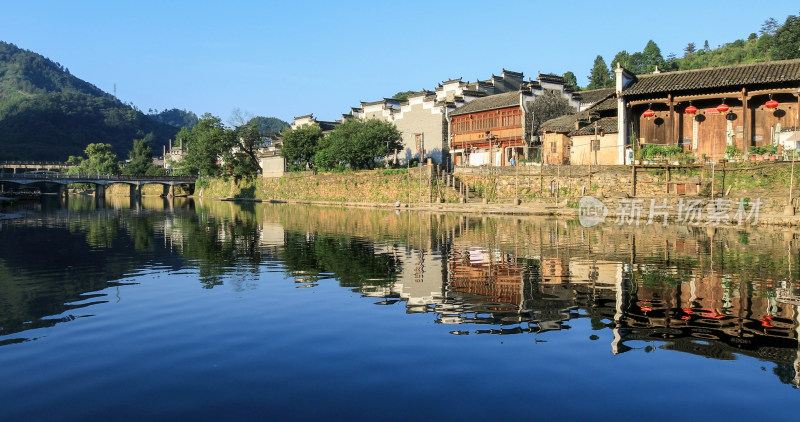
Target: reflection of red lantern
x=723, y=108
x=771, y=104
x=690, y=110
x=649, y=113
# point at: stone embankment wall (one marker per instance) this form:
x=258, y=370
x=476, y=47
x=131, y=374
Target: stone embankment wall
x=767, y=181
x=374, y=186
x=531, y=184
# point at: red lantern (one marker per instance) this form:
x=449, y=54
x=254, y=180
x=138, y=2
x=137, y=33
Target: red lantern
x=771, y=104
x=690, y=110
x=723, y=108
x=649, y=113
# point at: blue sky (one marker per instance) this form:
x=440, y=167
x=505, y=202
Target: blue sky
x=286, y=59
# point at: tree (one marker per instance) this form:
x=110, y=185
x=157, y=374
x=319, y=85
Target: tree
x=205, y=145
x=141, y=159
x=571, y=81
x=705, y=46
x=786, y=42
x=359, y=144
x=545, y=107
x=300, y=145
x=651, y=58
x=600, y=76
x=689, y=49
x=769, y=27
x=99, y=160
x=243, y=157
x=403, y=95
x=622, y=59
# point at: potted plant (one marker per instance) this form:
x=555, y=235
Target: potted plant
x=732, y=152
x=757, y=153
x=770, y=152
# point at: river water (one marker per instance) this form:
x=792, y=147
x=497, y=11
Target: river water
x=207, y=310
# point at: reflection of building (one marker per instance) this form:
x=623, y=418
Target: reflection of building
x=670, y=288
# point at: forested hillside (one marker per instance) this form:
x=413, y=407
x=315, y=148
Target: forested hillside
x=175, y=117
x=773, y=41
x=48, y=114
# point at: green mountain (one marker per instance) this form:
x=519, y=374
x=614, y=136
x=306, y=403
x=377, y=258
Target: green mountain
x=48, y=114
x=268, y=125
x=176, y=117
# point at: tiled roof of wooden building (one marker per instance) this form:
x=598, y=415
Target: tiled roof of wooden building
x=491, y=102
x=767, y=73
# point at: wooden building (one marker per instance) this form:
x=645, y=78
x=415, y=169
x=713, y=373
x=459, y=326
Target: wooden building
x=707, y=110
x=489, y=130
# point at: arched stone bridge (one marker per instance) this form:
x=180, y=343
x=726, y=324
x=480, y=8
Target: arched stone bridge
x=100, y=181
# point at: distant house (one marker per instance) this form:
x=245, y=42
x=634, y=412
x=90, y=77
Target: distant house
x=309, y=119
x=588, y=137
x=423, y=118
x=707, y=110
x=171, y=155
x=492, y=130
x=270, y=159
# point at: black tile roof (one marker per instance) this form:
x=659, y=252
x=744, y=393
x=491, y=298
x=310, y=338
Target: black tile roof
x=594, y=95
x=549, y=77
x=737, y=76
x=606, y=124
x=490, y=102
x=566, y=124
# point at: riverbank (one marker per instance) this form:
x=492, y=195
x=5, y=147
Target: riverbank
x=628, y=194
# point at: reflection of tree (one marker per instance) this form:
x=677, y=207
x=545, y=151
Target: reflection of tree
x=354, y=262
x=99, y=229
x=141, y=232
x=219, y=246
x=785, y=372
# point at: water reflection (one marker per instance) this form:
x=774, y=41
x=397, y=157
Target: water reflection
x=717, y=293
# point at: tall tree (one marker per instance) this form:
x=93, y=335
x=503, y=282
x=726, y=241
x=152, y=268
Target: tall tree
x=571, y=81
x=141, y=159
x=205, y=144
x=651, y=57
x=786, y=43
x=300, y=145
x=623, y=59
x=769, y=27
x=689, y=49
x=600, y=76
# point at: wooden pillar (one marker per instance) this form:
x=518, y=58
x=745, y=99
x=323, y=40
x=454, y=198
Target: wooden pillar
x=748, y=135
x=671, y=129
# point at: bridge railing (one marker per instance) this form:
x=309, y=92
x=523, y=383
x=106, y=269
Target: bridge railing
x=104, y=177
x=33, y=163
